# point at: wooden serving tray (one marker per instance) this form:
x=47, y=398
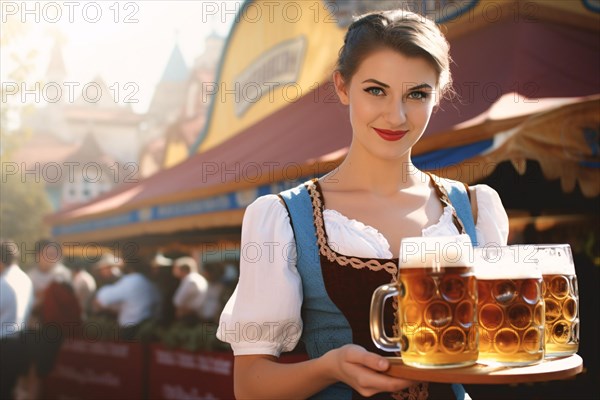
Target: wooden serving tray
x=547, y=370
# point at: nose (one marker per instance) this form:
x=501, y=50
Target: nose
x=396, y=114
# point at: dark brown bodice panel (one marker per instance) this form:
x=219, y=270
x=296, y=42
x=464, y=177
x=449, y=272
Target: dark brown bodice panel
x=351, y=289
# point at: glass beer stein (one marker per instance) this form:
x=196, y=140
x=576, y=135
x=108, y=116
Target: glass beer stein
x=561, y=296
x=436, y=298
x=510, y=306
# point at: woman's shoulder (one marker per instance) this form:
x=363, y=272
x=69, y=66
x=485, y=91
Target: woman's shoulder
x=268, y=203
x=486, y=195
x=492, y=220
x=269, y=213
x=484, y=188
x=274, y=203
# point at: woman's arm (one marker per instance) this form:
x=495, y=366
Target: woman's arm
x=262, y=377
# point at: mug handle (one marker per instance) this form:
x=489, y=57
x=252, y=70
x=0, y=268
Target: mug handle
x=381, y=340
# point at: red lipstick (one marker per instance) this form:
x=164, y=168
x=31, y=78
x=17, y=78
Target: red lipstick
x=390, y=136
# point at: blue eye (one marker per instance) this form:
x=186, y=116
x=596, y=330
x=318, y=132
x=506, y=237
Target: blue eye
x=375, y=91
x=419, y=95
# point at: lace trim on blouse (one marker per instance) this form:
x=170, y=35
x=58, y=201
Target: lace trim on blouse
x=390, y=266
x=374, y=264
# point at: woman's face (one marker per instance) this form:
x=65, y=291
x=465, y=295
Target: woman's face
x=390, y=99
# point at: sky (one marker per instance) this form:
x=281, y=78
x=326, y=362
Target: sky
x=125, y=42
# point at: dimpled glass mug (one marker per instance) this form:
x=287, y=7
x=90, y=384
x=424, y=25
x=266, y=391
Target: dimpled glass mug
x=436, y=294
x=510, y=305
x=561, y=298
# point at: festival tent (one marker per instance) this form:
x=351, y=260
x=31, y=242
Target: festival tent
x=211, y=189
x=515, y=81
x=562, y=137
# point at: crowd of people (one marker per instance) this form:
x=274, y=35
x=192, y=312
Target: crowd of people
x=49, y=304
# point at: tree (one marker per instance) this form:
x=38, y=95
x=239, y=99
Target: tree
x=23, y=202
x=11, y=138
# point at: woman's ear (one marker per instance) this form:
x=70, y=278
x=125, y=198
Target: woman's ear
x=340, y=88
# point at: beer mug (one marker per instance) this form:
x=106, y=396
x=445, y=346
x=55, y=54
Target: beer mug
x=510, y=305
x=436, y=298
x=561, y=297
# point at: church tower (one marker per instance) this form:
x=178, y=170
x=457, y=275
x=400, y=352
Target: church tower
x=169, y=96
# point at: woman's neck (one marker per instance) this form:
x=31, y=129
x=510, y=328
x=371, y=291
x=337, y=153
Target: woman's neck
x=363, y=171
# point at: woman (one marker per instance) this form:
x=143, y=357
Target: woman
x=326, y=245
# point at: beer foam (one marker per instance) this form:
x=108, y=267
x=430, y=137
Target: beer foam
x=555, y=259
x=436, y=252
x=507, y=262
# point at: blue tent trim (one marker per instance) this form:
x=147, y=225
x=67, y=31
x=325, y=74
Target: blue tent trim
x=590, y=164
x=457, y=12
x=451, y=155
x=591, y=5
x=232, y=201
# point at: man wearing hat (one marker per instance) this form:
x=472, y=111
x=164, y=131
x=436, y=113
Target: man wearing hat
x=191, y=293
x=134, y=296
x=107, y=269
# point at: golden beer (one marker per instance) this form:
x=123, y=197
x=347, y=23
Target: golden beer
x=436, y=307
x=510, y=309
x=437, y=318
x=561, y=296
x=511, y=320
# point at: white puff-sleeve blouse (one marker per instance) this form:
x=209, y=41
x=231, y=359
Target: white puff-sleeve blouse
x=263, y=314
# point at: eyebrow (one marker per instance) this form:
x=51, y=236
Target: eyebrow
x=377, y=82
x=421, y=86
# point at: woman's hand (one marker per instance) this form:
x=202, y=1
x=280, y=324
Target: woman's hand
x=363, y=371
x=260, y=376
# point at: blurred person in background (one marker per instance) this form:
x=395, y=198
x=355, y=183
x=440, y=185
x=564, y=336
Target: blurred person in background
x=134, y=296
x=84, y=285
x=16, y=300
x=107, y=270
x=191, y=293
x=229, y=280
x=167, y=285
x=55, y=312
x=213, y=303
x=49, y=269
